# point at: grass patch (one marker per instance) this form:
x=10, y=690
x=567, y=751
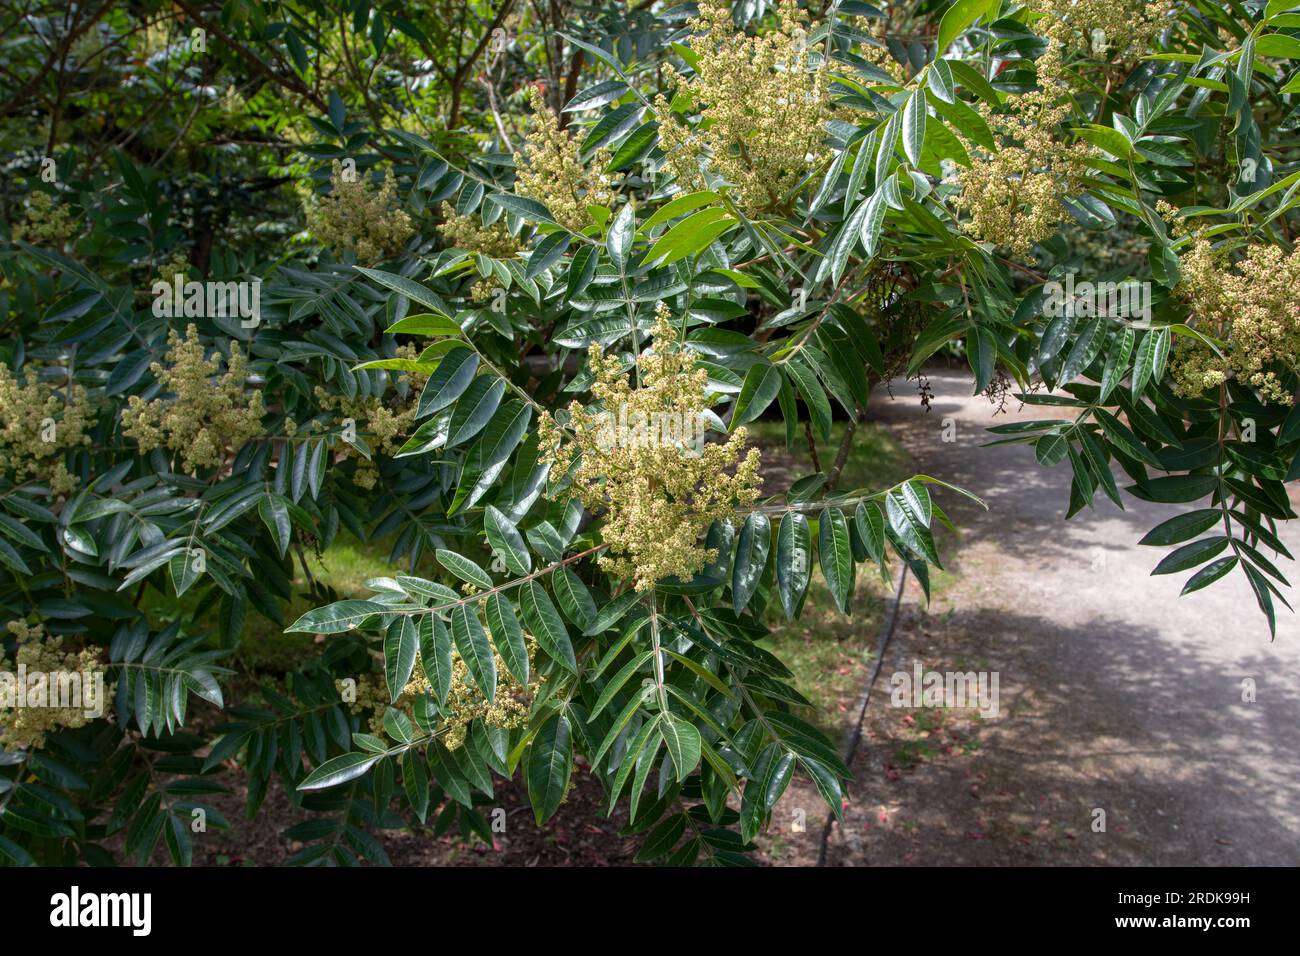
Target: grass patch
x=345, y=566
x=875, y=461
x=828, y=651
x=264, y=647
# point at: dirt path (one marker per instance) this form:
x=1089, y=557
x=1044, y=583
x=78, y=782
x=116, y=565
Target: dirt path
x=1115, y=694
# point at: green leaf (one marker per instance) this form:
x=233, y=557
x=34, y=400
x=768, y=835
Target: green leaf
x=415, y=781
x=641, y=757
x=335, y=618
x=982, y=354
x=602, y=93
x=448, y=382
x=690, y=236
x=872, y=221
x=184, y=570
x=581, y=271
x=409, y=288
x=615, y=683
x=449, y=776
x=1100, y=466
x=960, y=16
x=464, y=568
x=1119, y=435
x=761, y=384
x=23, y=534
x=529, y=209
x=506, y=541
x=401, y=641
x=871, y=528
x=837, y=256
x=1209, y=574
x=541, y=618
x=549, y=765
x=14, y=855
x=679, y=206
x=504, y=432
x=752, y=545
x=621, y=236
x=910, y=527
x=472, y=643
x=683, y=743
x=814, y=396
x=1263, y=597
x=475, y=409
x=430, y=436
x=435, y=655
x=548, y=252
x=612, y=613
x=1117, y=356
x=1149, y=363
x=1190, y=555
x=769, y=778
x=1087, y=345
x=1109, y=139
x=575, y=600
x=1175, y=489
x=1051, y=449
x=398, y=726
x=274, y=511
x=508, y=637
x=939, y=78
x=836, y=556
x=914, y=115
x=427, y=323
x=1182, y=527
x=339, y=770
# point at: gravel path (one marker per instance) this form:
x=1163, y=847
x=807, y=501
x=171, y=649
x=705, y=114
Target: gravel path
x=1115, y=694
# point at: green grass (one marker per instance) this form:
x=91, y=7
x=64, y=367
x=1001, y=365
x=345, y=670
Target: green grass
x=875, y=461
x=345, y=566
x=826, y=650
x=264, y=647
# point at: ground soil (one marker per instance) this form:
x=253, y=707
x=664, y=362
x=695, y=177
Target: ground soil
x=1116, y=695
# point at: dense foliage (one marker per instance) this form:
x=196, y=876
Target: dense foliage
x=504, y=283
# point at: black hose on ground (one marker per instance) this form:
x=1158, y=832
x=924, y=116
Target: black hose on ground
x=853, y=736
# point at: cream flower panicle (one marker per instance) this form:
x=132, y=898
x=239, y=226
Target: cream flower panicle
x=387, y=423
x=1015, y=196
x=41, y=659
x=552, y=172
x=46, y=222
x=465, y=702
x=353, y=217
x=658, y=497
x=763, y=108
x=1251, y=306
x=469, y=233
x=206, y=412
x=37, y=429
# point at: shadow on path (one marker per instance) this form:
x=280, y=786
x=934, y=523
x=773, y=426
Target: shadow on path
x=1115, y=694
